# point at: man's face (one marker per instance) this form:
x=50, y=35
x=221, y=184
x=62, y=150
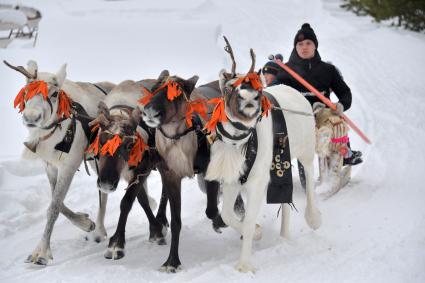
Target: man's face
x=306, y=49
x=269, y=78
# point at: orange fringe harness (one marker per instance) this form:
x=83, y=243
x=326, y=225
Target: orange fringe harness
x=111, y=146
x=174, y=90
x=219, y=113
x=41, y=87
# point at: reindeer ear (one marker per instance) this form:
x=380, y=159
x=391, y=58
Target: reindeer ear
x=262, y=78
x=32, y=68
x=103, y=109
x=135, y=116
x=164, y=74
x=190, y=84
x=61, y=75
x=223, y=78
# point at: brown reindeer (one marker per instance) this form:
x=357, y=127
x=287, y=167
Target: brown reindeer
x=125, y=148
x=182, y=146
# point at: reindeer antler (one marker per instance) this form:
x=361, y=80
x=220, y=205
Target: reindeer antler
x=251, y=70
x=229, y=50
x=21, y=70
x=99, y=119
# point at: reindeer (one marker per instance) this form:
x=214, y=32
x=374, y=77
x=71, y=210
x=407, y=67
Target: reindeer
x=132, y=158
x=239, y=115
x=56, y=112
x=182, y=146
x=331, y=147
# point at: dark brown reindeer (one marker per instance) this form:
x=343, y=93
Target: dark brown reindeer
x=182, y=146
x=125, y=149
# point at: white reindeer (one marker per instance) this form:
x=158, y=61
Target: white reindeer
x=243, y=105
x=48, y=105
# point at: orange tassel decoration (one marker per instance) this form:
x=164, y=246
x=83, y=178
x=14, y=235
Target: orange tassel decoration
x=147, y=97
x=111, y=145
x=196, y=106
x=253, y=78
x=64, y=107
x=265, y=105
x=29, y=91
x=95, y=128
x=136, y=153
x=218, y=115
x=173, y=90
x=94, y=147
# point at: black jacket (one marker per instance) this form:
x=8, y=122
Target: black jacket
x=323, y=76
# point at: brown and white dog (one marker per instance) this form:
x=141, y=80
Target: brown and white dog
x=331, y=146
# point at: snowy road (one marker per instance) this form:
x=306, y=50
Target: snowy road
x=373, y=230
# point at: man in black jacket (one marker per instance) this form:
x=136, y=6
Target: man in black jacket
x=325, y=77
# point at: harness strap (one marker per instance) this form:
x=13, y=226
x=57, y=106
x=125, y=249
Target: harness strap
x=179, y=135
x=127, y=108
x=101, y=89
x=150, y=131
x=222, y=132
x=251, y=148
x=280, y=187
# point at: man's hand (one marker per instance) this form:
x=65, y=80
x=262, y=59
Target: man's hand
x=339, y=109
x=317, y=106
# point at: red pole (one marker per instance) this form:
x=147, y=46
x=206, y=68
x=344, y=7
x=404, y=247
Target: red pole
x=322, y=98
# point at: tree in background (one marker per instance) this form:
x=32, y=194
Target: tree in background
x=409, y=14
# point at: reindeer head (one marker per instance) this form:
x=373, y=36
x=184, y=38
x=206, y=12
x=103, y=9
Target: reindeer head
x=118, y=144
x=42, y=100
x=242, y=93
x=167, y=101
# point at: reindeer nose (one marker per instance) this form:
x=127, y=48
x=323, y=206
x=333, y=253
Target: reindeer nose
x=32, y=118
x=107, y=187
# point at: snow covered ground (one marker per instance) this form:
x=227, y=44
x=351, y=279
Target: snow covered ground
x=373, y=230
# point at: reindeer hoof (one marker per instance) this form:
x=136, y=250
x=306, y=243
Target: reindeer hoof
x=313, y=217
x=38, y=260
x=218, y=223
x=40, y=257
x=41, y=261
x=114, y=253
x=170, y=269
x=172, y=265
x=159, y=240
x=245, y=267
x=83, y=222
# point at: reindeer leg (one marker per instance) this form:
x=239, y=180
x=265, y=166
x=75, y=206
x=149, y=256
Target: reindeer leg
x=99, y=233
x=212, y=190
x=156, y=229
x=116, y=244
x=79, y=219
x=173, y=185
x=230, y=193
x=250, y=230
x=161, y=214
x=284, y=227
x=42, y=252
x=312, y=214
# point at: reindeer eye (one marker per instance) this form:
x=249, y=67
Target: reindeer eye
x=104, y=137
x=257, y=97
x=54, y=95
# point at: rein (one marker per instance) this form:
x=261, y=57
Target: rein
x=178, y=135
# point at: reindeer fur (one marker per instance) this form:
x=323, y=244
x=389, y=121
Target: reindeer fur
x=227, y=163
x=60, y=167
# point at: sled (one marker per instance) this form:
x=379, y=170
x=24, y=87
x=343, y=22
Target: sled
x=18, y=21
